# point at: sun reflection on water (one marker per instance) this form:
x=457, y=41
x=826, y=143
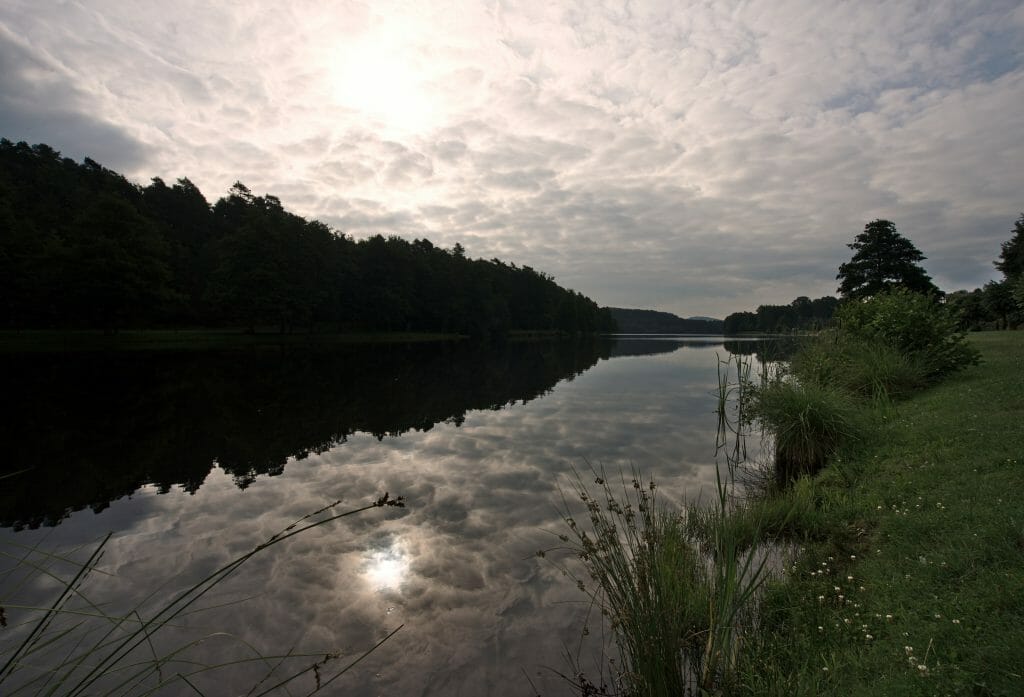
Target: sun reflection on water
x=385, y=569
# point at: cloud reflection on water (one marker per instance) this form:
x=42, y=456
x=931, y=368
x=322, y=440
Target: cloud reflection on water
x=457, y=567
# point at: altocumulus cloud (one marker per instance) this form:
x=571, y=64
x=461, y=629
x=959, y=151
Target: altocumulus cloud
x=680, y=156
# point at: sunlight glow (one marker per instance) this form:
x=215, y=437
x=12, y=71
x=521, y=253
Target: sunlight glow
x=386, y=569
x=381, y=76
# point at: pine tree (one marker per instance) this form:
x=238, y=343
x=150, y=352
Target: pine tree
x=883, y=259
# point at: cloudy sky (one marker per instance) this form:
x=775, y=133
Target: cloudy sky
x=695, y=157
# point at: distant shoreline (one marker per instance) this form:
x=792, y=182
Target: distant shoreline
x=192, y=339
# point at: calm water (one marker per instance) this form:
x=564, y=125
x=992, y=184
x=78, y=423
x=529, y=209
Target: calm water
x=191, y=459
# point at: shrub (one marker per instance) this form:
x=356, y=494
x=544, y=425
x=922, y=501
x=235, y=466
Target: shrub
x=913, y=324
x=867, y=368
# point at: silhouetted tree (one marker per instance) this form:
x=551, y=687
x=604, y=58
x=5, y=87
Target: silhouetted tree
x=883, y=259
x=997, y=298
x=114, y=267
x=1011, y=258
x=739, y=322
x=82, y=246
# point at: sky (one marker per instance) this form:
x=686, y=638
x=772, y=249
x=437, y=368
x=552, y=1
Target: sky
x=694, y=157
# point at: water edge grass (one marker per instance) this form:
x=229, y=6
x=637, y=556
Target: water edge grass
x=679, y=589
x=915, y=587
x=908, y=554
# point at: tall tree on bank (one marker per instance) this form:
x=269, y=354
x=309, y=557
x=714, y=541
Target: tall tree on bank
x=883, y=259
x=1006, y=298
x=1011, y=258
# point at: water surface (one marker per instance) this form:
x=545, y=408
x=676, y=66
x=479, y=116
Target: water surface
x=191, y=459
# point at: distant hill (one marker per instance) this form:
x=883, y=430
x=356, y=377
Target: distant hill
x=655, y=322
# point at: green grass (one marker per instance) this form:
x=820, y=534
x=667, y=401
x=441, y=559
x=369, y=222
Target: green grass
x=871, y=370
x=808, y=420
x=787, y=514
x=924, y=540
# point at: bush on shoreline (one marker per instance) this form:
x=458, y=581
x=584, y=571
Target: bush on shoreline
x=916, y=325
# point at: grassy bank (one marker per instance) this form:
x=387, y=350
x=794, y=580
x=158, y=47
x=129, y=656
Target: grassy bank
x=913, y=581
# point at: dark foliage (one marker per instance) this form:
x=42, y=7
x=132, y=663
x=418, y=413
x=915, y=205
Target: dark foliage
x=1011, y=256
x=654, y=322
x=801, y=314
x=883, y=259
x=999, y=304
x=80, y=246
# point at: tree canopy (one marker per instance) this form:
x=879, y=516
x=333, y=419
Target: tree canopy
x=1011, y=256
x=801, y=314
x=81, y=246
x=883, y=259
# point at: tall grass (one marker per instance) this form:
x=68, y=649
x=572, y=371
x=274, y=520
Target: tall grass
x=730, y=409
x=646, y=577
x=679, y=588
x=735, y=574
x=74, y=647
x=808, y=421
x=869, y=369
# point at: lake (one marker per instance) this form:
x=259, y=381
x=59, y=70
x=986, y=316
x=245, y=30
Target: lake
x=190, y=459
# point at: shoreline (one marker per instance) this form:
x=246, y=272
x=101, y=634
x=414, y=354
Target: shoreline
x=912, y=583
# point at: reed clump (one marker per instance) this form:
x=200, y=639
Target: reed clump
x=880, y=351
x=678, y=589
x=780, y=514
x=647, y=578
x=808, y=420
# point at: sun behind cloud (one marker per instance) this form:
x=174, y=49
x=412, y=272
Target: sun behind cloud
x=381, y=75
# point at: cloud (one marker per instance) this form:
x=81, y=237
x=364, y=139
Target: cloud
x=694, y=147
x=37, y=106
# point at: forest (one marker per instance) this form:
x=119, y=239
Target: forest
x=801, y=314
x=655, y=322
x=81, y=247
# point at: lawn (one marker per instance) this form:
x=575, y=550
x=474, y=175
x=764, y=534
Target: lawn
x=917, y=586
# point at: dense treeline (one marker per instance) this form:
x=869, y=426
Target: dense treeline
x=655, y=322
x=801, y=314
x=998, y=304
x=81, y=246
